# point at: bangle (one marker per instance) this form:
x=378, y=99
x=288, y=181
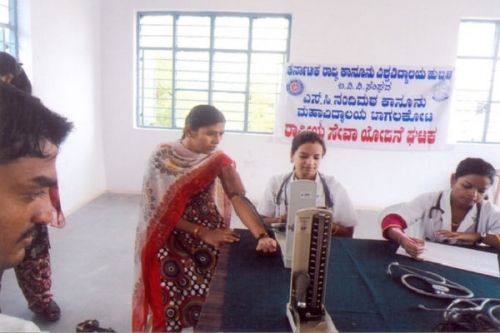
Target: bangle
x=196, y=231
x=335, y=228
x=262, y=235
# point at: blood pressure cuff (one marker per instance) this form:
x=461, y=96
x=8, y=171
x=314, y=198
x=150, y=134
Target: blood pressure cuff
x=233, y=187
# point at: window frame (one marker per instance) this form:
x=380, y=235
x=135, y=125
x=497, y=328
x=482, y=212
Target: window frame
x=11, y=48
x=495, y=58
x=139, y=108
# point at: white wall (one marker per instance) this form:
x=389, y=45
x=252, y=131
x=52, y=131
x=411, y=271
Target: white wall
x=385, y=32
x=60, y=46
x=80, y=57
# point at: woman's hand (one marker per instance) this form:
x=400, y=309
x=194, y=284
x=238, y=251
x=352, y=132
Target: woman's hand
x=453, y=236
x=266, y=245
x=413, y=246
x=218, y=237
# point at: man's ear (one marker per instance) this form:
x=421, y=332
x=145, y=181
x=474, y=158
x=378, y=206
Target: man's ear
x=453, y=179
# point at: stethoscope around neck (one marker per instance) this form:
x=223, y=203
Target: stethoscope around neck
x=282, y=192
x=436, y=209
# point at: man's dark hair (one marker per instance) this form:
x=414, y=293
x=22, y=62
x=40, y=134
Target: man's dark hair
x=21, y=81
x=26, y=124
x=8, y=64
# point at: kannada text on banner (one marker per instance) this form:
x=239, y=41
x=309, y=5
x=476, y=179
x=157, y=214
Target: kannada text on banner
x=377, y=107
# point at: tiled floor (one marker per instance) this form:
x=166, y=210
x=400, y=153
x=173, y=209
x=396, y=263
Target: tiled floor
x=92, y=263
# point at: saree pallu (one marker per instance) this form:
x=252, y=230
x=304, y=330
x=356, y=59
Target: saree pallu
x=175, y=179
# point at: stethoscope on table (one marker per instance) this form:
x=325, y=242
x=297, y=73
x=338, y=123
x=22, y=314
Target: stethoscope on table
x=464, y=313
x=428, y=283
x=472, y=314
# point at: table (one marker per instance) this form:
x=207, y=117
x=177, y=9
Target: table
x=249, y=291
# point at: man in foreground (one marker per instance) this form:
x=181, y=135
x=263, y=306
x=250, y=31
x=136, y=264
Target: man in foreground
x=30, y=135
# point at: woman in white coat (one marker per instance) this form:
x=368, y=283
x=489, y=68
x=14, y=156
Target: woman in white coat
x=461, y=214
x=306, y=154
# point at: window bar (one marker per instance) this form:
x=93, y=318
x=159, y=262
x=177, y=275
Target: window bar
x=490, y=93
x=2, y=39
x=13, y=27
x=211, y=59
x=287, y=53
x=140, y=89
x=139, y=118
x=174, y=66
x=247, y=87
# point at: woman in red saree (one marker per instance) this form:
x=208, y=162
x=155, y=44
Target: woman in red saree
x=187, y=192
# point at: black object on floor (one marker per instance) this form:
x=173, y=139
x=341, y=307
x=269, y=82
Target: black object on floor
x=92, y=325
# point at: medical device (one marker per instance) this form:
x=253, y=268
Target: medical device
x=469, y=315
x=311, y=249
x=302, y=195
x=282, y=195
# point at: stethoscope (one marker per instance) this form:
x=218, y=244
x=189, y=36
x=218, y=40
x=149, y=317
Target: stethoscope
x=436, y=210
x=282, y=192
x=428, y=283
x=463, y=311
x=482, y=314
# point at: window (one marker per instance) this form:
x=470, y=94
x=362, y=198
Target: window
x=233, y=61
x=476, y=110
x=8, y=38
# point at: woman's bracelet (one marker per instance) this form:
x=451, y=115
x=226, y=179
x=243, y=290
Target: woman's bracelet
x=262, y=235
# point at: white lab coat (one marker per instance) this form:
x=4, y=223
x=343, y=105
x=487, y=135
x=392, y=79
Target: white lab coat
x=343, y=210
x=418, y=211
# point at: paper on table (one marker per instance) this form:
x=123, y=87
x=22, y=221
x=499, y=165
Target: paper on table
x=459, y=257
